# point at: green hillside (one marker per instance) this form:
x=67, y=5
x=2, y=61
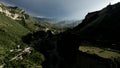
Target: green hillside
x=11, y=32
x=15, y=24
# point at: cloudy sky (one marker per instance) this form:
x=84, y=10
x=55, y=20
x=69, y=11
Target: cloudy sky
x=64, y=9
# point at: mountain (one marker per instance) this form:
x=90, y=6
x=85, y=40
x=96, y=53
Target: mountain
x=19, y=15
x=94, y=43
x=29, y=43
x=28, y=21
x=101, y=26
x=58, y=22
x=97, y=39
x=69, y=23
x=14, y=24
x=99, y=35
x=47, y=19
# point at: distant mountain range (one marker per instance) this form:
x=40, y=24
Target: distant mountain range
x=69, y=23
x=58, y=22
x=47, y=19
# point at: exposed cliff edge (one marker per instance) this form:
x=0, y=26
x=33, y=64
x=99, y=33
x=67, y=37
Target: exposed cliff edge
x=13, y=12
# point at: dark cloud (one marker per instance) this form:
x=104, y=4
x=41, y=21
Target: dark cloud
x=71, y=9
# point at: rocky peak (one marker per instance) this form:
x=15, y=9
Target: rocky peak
x=12, y=12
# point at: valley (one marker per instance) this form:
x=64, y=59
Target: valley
x=26, y=42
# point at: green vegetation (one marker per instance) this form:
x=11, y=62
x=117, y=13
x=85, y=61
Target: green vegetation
x=99, y=52
x=14, y=25
x=33, y=60
x=11, y=32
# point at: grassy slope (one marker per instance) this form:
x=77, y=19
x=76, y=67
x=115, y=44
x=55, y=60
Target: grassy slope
x=10, y=32
x=101, y=52
x=10, y=36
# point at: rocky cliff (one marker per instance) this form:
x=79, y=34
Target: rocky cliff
x=13, y=12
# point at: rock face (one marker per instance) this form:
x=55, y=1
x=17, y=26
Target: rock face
x=12, y=12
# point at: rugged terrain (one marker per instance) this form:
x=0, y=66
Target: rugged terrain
x=14, y=24
x=92, y=44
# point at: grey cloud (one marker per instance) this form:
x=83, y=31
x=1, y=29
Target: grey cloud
x=71, y=9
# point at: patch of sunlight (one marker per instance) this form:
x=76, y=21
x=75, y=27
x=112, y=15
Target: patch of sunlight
x=104, y=53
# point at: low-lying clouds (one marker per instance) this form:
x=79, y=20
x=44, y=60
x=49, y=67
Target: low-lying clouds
x=69, y=9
